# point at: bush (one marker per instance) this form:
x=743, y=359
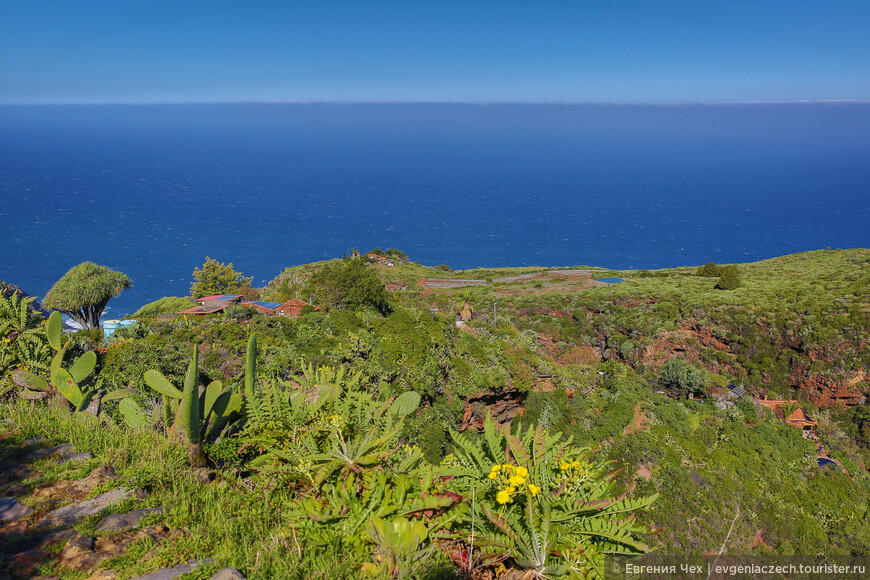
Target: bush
x=730, y=278
x=678, y=375
x=708, y=270
x=166, y=306
x=349, y=283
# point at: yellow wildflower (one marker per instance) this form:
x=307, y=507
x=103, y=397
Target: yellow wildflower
x=492, y=475
x=516, y=480
x=503, y=497
x=576, y=464
x=495, y=469
x=534, y=489
x=563, y=466
x=522, y=471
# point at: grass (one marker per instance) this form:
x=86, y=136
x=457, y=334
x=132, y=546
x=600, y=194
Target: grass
x=222, y=520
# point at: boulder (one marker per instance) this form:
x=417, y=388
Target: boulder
x=11, y=509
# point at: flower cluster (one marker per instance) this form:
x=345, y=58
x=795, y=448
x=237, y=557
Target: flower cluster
x=576, y=473
x=508, y=479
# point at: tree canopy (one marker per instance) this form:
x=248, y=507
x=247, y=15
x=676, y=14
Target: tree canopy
x=678, y=375
x=218, y=278
x=83, y=292
x=348, y=283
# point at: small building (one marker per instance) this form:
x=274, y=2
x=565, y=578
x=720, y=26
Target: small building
x=806, y=423
x=267, y=308
x=292, y=307
x=212, y=304
x=798, y=417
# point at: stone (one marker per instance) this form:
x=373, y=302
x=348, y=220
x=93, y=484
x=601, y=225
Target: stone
x=26, y=563
x=35, y=440
x=228, y=574
x=175, y=571
x=54, y=537
x=76, y=457
x=121, y=522
x=11, y=509
x=156, y=533
x=78, y=553
x=70, y=489
x=70, y=514
x=40, y=453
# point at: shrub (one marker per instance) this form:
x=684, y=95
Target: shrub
x=166, y=306
x=678, y=375
x=708, y=270
x=729, y=278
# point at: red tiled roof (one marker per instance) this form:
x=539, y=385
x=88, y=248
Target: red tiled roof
x=800, y=416
x=205, y=308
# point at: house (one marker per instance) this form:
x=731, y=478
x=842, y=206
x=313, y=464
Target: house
x=806, y=423
x=292, y=307
x=798, y=418
x=266, y=308
x=376, y=258
x=212, y=304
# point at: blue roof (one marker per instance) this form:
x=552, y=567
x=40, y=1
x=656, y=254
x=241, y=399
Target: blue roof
x=266, y=304
x=610, y=280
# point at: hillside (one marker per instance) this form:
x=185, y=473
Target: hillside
x=636, y=371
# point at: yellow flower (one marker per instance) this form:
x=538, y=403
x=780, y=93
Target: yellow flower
x=503, y=497
x=576, y=464
x=495, y=469
x=516, y=480
x=563, y=466
x=522, y=471
x=534, y=489
x=492, y=475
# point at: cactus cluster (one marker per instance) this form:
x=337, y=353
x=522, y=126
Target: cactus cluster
x=196, y=411
x=72, y=382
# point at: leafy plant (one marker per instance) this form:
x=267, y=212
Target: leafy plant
x=545, y=504
x=199, y=412
x=72, y=382
x=22, y=336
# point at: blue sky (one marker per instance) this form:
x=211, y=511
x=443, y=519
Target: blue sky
x=655, y=51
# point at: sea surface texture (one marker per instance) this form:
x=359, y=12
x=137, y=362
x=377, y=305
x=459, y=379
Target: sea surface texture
x=153, y=190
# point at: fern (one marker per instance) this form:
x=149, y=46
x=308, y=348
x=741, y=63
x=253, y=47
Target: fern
x=551, y=507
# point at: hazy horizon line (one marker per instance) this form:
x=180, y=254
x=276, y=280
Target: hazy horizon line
x=432, y=102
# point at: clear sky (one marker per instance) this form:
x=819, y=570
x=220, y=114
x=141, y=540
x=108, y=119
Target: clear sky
x=654, y=51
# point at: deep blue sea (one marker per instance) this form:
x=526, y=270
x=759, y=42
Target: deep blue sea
x=153, y=190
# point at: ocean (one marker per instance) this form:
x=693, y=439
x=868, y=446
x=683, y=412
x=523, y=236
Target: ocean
x=151, y=190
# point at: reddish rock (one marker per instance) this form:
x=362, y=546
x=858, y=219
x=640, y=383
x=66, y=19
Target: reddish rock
x=26, y=563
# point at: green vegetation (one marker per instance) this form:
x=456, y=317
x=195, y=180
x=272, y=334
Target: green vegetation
x=166, y=306
x=375, y=438
x=348, y=283
x=83, y=292
x=218, y=278
x=729, y=278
